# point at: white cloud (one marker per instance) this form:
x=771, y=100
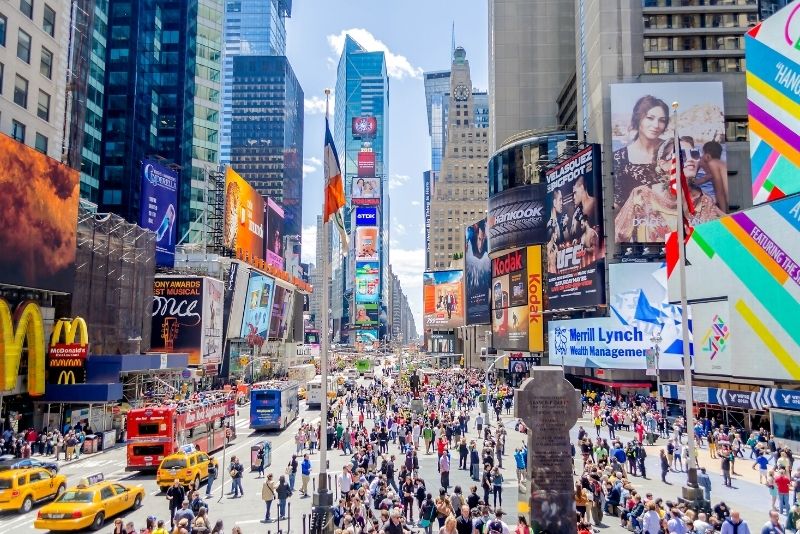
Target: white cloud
x=313, y=161
x=398, y=180
x=398, y=228
x=416, y=203
x=311, y=165
x=308, y=169
x=309, y=244
x=408, y=265
x=316, y=105
x=397, y=66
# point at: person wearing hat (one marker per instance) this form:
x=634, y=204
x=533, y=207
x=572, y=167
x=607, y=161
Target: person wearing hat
x=185, y=513
x=498, y=522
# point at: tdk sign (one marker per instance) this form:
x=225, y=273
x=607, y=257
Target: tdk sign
x=366, y=216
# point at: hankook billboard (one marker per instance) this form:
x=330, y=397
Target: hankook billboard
x=517, y=217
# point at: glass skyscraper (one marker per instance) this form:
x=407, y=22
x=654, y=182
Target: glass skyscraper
x=162, y=82
x=362, y=91
x=252, y=28
x=267, y=132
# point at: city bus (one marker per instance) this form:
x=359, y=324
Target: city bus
x=314, y=394
x=206, y=421
x=273, y=404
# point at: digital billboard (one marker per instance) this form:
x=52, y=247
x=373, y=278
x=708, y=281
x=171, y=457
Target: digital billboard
x=643, y=130
x=366, y=216
x=367, y=243
x=258, y=305
x=443, y=299
x=159, y=208
x=178, y=322
x=364, y=127
x=281, y=303
x=772, y=54
x=366, y=164
x=427, y=177
x=368, y=285
x=478, y=273
x=213, y=291
x=575, y=247
x=516, y=300
x=38, y=219
x=273, y=243
x=367, y=314
x=244, y=216
x=517, y=218
x=366, y=192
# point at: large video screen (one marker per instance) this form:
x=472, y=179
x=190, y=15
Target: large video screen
x=244, y=216
x=159, y=208
x=258, y=305
x=368, y=282
x=443, y=296
x=517, y=322
x=478, y=273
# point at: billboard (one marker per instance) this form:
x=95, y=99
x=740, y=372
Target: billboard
x=642, y=131
x=478, y=273
x=367, y=243
x=367, y=314
x=516, y=291
x=257, y=305
x=364, y=127
x=280, y=304
x=366, y=216
x=38, y=219
x=443, y=299
x=366, y=164
x=244, y=216
x=638, y=310
x=158, y=210
x=516, y=218
x=575, y=248
x=213, y=291
x=177, y=324
x=772, y=54
x=368, y=285
x=273, y=243
x=427, y=190
x=753, y=256
x=366, y=192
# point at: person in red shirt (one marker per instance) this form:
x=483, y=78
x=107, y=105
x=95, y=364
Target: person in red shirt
x=782, y=482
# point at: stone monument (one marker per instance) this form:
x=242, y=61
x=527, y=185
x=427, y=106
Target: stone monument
x=549, y=406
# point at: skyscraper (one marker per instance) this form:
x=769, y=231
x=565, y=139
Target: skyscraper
x=252, y=28
x=162, y=81
x=267, y=132
x=361, y=134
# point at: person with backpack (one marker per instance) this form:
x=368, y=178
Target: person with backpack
x=497, y=525
x=268, y=495
x=260, y=463
x=427, y=513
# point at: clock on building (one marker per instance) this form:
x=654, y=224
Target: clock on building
x=461, y=92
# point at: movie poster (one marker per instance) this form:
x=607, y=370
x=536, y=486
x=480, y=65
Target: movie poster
x=478, y=273
x=575, y=247
x=177, y=316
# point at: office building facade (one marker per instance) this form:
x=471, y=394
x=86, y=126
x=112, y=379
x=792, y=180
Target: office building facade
x=267, y=132
x=252, y=28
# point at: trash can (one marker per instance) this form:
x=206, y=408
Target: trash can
x=90, y=444
x=255, y=463
x=651, y=438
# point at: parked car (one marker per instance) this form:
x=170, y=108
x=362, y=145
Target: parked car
x=8, y=461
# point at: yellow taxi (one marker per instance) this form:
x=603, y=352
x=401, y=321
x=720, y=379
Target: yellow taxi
x=20, y=488
x=88, y=505
x=190, y=467
x=340, y=379
x=301, y=393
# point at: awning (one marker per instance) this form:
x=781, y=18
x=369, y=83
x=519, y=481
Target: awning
x=82, y=393
x=617, y=384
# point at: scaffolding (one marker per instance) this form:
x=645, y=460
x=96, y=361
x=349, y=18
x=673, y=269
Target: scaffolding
x=115, y=266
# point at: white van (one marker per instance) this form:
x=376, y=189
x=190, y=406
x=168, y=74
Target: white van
x=351, y=372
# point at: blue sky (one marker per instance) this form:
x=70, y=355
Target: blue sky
x=416, y=37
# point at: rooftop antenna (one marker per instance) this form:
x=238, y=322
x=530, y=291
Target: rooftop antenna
x=453, y=41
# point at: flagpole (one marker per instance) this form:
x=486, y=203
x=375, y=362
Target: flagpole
x=323, y=498
x=687, y=359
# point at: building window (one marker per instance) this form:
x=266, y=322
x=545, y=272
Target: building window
x=3, y=26
x=26, y=6
x=41, y=143
x=49, y=21
x=46, y=64
x=24, y=47
x=2, y=71
x=43, y=110
x=18, y=131
x=21, y=91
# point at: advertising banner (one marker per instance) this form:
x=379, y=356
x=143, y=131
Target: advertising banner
x=366, y=216
x=364, y=127
x=575, y=247
x=772, y=53
x=66, y=364
x=643, y=131
x=639, y=310
x=751, y=260
x=244, y=216
x=366, y=314
x=159, y=208
x=427, y=186
x=510, y=322
x=258, y=306
x=367, y=243
x=443, y=299
x=368, y=285
x=711, y=321
x=517, y=218
x=273, y=244
x=366, y=337
x=177, y=316
x=281, y=302
x=38, y=219
x=478, y=273
x=534, y=290
x=366, y=164
x=213, y=291
x=366, y=192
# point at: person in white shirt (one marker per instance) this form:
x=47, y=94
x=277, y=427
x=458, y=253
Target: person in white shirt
x=701, y=524
x=651, y=522
x=345, y=481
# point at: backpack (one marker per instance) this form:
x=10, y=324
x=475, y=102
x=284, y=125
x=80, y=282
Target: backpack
x=494, y=527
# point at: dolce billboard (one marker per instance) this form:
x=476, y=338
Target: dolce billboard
x=517, y=218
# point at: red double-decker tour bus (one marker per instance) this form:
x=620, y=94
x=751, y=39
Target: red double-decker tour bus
x=157, y=431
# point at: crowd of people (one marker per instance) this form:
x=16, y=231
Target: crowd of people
x=65, y=444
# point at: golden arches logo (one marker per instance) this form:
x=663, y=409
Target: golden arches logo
x=66, y=377
x=25, y=324
x=70, y=327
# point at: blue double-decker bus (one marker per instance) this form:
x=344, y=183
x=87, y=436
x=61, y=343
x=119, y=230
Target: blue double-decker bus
x=273, y=404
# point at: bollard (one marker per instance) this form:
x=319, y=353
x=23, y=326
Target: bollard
x=304, y=523
x=288, y=517
x=314, y=485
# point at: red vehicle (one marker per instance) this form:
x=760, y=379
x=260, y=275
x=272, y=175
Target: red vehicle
x=155, y=432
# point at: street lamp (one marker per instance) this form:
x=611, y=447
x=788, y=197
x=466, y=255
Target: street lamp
x=655, y=339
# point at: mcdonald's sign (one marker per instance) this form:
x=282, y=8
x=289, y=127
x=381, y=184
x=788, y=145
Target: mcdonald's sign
x=67, y=358
x=66, y=377
x=25, y=324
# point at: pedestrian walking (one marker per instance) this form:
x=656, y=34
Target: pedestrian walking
x=283, y=492
x=664, y=466
x=268, y=495
x=213, y=470
x=175, y=497
x=725, y=465
x=236, y=472
x=305, y=472
x=497, y=487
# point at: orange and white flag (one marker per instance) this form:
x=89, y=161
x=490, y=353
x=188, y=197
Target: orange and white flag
x=334, y=188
